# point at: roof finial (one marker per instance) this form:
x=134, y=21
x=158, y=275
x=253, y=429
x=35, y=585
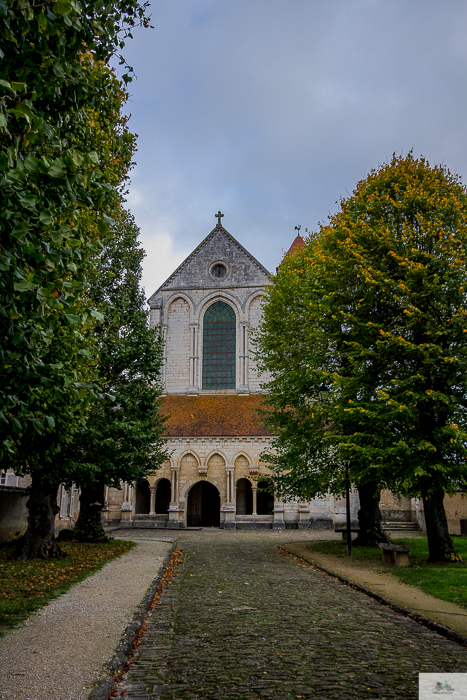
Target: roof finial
x=297, y=228
x=219, y=217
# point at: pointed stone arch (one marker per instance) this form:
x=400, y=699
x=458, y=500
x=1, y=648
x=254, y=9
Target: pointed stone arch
x=187, y=453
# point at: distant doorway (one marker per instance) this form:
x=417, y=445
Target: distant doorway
x=163, y=496
x=244, y=497
x=143, y=498
x=204, y=505
x=264, y=500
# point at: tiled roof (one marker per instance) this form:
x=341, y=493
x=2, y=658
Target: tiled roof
x=298, y=244
x=213, y=415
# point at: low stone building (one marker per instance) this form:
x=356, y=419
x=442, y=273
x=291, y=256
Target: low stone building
x=13, y=510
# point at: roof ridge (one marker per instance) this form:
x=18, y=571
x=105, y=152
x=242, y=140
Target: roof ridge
x=217, y=228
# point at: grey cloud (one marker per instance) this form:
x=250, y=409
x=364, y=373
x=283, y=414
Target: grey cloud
x=273, y=110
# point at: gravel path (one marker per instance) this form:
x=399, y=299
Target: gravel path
x=60, y=652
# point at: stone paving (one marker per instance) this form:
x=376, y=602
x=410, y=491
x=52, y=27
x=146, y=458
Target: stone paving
x=243, y=621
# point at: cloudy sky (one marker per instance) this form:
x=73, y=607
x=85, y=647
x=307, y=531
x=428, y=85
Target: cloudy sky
x=272, y=110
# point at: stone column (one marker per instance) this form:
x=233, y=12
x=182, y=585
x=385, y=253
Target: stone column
x=278, y=523
x=174, y=507
x=164, y=359
x=174, y=490
x=193, y=388
x=243, y=383
x=229, y=507
x=255, y=491
x=152, y=506
x=127, y=505
x=304, y=514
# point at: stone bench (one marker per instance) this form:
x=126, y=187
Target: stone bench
x=344, y=531
x=397, y=554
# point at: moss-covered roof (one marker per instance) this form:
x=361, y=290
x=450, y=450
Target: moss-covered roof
x=213, y=415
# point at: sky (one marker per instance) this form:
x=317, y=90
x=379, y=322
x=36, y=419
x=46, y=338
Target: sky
x=273, y=110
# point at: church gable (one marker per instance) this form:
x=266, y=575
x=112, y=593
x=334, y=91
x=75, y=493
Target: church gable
x=219, y=262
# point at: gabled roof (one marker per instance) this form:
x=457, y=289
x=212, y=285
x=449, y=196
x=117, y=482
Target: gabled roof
x=213, y=415
x=216, y=231
x=298, y=244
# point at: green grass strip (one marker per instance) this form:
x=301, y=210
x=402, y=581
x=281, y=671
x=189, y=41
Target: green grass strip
x=26, y=586
x=445, y=581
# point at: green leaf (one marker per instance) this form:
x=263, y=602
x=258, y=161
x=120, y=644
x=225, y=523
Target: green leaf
x=2, y=418
x=28, y=201
x=50, y=421
x=16, y=424
x=37, y=425
x=42, y=22
x=57, y=67
x=31, y=164
x=20, y=230
x=56, y=170
x=62, y=7
x=46, y=217
x=103, y=227
x=3, y=120
x=23, y=286
x=6, y=84
x=72, y=318
x=98, y=315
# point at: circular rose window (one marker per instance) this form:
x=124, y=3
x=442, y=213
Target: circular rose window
x=219, y=270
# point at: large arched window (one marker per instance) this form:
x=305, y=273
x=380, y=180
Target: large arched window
x=219, y=331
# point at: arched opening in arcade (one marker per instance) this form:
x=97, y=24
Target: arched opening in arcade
x=204, y=505
x=264, y=500
x=244, y=497
x=143, y=498
x=163, y=496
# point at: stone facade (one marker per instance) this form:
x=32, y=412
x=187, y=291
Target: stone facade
x=219, y=441
x=222, y=449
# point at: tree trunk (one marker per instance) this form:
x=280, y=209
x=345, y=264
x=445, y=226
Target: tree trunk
x=39, y=539
x=440, y=546
x=369, y=516
x=89, y=525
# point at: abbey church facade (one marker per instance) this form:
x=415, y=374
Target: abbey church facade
x=207, y=310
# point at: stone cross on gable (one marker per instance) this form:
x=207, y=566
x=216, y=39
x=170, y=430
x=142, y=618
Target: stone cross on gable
x=219, y=217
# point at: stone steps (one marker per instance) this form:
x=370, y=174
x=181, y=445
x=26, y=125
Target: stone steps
x=400, y=526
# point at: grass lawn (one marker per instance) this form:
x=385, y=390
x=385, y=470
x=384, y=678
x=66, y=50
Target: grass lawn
x=445, y=581
x=26, y=586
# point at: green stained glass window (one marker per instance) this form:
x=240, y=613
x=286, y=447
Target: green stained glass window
x=219, y=333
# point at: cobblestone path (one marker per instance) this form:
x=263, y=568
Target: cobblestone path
x=243, y=621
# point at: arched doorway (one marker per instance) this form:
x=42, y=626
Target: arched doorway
x=143, y=498
x=204, y=505
x=244, y=497
x=163, y=496
x=264, y=500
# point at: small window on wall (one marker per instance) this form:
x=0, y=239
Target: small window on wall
x=219, y=338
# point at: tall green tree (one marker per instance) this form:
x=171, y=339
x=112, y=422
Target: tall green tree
x=390, y=268
x=121, y=440
x=300, y=345
x=56, y=197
